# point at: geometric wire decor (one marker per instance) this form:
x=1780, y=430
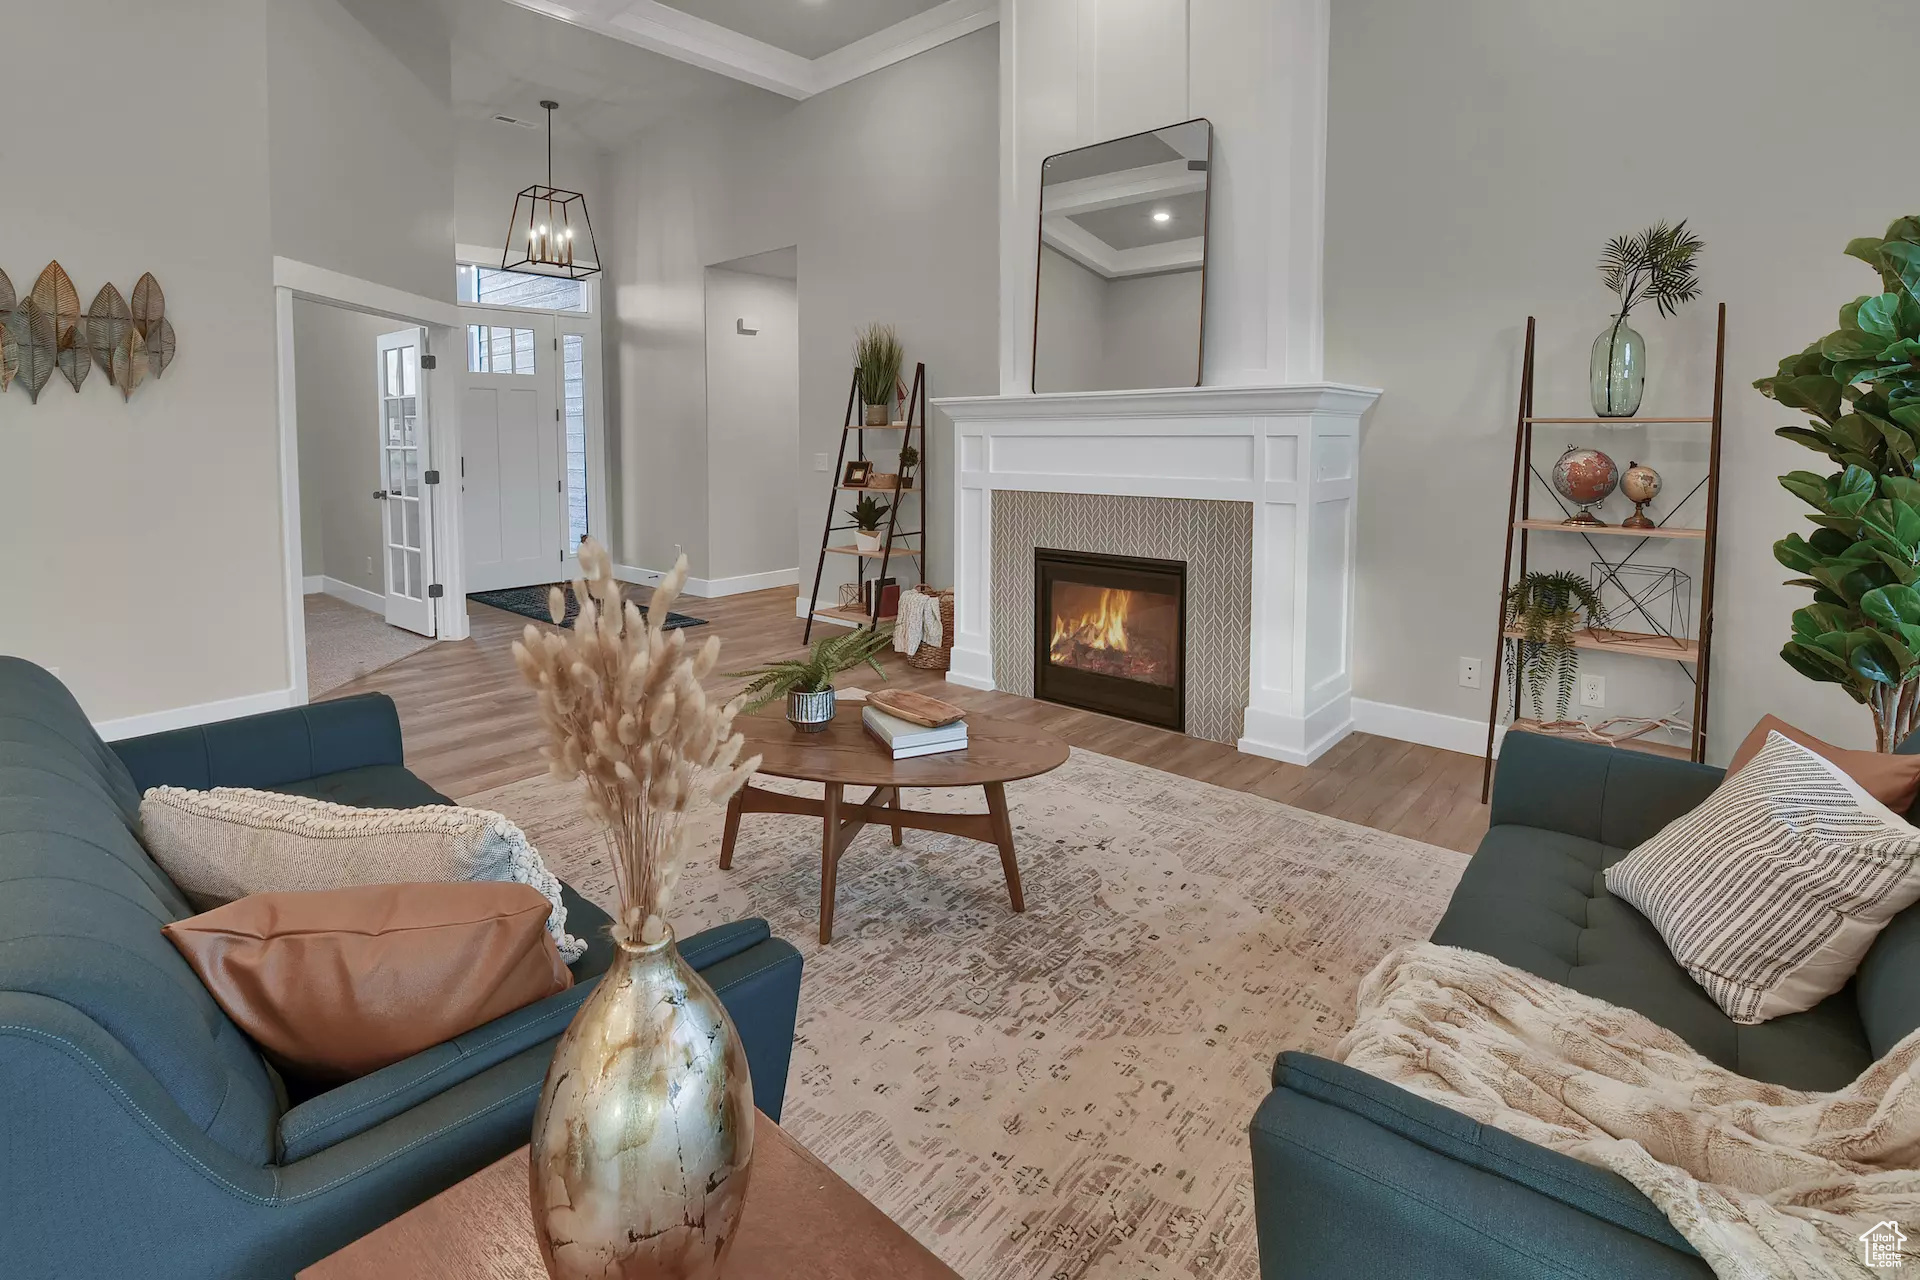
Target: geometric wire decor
x=550, y=233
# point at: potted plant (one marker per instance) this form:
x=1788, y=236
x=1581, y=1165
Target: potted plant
x=1546, y=609
x=807, y=683
x=1860, y=386
x=1657, y=264
x=909, y=459
x=877, y=355
x=866, y=515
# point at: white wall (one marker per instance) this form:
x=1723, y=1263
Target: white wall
x=339, y=461
x=1081, y=73
x=1480, y=154
x=887, y=186
x=362, y=140
x=140, y=543
x=753, y=422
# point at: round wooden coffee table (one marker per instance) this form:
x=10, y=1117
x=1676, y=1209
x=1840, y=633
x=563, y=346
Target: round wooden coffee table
x=845, y=754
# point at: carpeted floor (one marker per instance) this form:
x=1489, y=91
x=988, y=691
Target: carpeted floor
x=532, y=602
x=345, y=642
x=1065, y=1093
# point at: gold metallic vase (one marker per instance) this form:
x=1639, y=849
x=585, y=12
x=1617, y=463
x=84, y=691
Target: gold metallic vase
x=644, y=1133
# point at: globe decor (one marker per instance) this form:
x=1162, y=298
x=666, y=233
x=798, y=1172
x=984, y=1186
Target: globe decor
x=1584, y=477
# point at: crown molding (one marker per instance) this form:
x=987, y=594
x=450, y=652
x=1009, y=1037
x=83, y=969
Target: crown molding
x=683, y=37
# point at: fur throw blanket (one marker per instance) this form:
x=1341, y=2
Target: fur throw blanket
x=1765, y=1182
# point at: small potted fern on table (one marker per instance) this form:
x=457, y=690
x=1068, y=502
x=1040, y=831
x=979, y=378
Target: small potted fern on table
x=807, y=683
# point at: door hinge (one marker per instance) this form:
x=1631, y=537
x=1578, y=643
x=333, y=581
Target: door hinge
x=556, y=415
x=559, y=486
x=429, y=363
x=432, y=477
x=435, y=591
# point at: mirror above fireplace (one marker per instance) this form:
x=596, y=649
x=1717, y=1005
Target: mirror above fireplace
x=1120, y=288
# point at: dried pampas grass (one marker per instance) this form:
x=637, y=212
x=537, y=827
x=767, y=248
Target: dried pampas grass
x=624, y=711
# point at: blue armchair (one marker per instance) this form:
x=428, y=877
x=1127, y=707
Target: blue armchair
x=143, y=1133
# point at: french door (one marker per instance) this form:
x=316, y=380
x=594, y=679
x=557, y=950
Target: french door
x=525, y=407
x=407, y=498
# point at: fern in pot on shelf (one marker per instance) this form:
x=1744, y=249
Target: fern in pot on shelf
x=1860, y=388
x=1546, y=609
x=877, y=354
x=643, y=1135
x=807, y=683
x=866, y=515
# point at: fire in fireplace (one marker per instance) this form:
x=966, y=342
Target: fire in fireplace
x=1110, y=634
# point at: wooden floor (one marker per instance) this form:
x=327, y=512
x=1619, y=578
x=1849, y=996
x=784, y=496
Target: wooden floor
x=469, y=723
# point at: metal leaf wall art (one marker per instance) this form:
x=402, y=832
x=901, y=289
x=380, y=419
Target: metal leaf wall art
x=46, y=332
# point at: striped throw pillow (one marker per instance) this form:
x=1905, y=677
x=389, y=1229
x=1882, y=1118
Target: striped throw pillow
x=1771, y=890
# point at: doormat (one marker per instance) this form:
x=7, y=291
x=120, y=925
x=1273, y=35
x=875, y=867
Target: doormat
x=531, y=602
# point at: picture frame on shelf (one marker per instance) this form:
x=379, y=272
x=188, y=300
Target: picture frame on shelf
x=859, y=471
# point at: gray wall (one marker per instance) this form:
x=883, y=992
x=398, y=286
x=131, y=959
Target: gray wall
x=115, y=514
x=1070, y=325
x=753, y=422
x=1480, y=153
x=1098, y=334
x=363, y=140
x=889, y=187
x=334, y=369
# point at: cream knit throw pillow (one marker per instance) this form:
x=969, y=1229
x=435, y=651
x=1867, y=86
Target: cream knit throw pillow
x=230, y=842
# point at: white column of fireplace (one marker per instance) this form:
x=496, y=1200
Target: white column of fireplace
x=1292, y=451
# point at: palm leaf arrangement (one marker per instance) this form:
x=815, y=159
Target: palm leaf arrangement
x=1655, y=266
x=1546, y=609
x=814, y=673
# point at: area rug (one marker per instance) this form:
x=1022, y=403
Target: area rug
x=1064, y=1093
x=531, y=602
x=345, y=642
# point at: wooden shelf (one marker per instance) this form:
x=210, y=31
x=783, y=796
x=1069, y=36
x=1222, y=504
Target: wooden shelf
x=860, y=616
x=1651, y=746
x=900, y=553
x=897, y=426
x=1634, y=644
x=867, y=488
x=1615, y=422
x=1609, y=530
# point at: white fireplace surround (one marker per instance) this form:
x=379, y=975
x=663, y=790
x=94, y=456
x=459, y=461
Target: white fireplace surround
x=1292, y=451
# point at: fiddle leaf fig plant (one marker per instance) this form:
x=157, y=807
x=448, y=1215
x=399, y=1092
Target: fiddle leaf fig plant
x=1860, y=388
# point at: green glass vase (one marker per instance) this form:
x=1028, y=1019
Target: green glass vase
x=1619, y=370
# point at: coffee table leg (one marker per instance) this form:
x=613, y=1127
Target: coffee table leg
x=734, y=808
x=829, y=856
x=1003, y=836
x=893, y=800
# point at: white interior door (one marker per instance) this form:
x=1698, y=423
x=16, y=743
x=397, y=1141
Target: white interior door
x=407, y=524
x=512, y=452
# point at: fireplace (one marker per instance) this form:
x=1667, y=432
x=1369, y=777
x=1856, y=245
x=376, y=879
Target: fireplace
x=1110, y=634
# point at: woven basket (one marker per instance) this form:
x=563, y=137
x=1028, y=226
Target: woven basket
x=937, y=657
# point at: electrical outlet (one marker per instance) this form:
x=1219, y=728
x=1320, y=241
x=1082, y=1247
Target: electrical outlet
x=1469, y=673
x=821, y=462
x=369, y=566
x=1593, y=691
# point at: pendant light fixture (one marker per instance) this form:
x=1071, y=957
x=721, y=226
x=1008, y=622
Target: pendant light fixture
x=550, y=234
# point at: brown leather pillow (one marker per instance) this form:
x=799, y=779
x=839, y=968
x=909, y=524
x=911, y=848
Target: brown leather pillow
x=1890, y=779
x=336, y=983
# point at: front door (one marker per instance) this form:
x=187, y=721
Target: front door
x=511, y=479
x=407, y=523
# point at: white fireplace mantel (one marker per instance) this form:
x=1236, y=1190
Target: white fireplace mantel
x=1291, y=451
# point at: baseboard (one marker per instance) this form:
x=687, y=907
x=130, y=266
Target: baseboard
x=313, y=584
x=803, y=607
x=1429, y=728
x=711, y=588
x=371, y=601
x=202, y=713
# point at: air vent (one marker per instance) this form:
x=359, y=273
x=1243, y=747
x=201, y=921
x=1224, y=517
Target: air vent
x=516, y=121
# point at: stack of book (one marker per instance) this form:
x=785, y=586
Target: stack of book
x=906, y=739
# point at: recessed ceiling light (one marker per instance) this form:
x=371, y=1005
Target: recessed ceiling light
x=1161, y=215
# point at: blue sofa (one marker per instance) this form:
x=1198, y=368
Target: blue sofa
x=141, y=1133
x=1354, y=1177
